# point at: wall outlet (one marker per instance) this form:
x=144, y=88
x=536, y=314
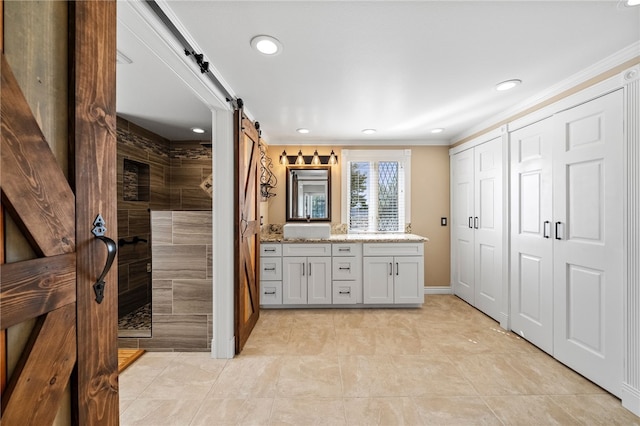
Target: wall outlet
x=443, y=221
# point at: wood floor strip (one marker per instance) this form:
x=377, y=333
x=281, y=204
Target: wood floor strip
x=126, y=357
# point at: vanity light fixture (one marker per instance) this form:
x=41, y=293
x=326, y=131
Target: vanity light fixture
x=197, y=130
x=315, y=159
x=438, y=130
x=506, y=85
x=266, y=45
x=369, y=131
x=332, y=158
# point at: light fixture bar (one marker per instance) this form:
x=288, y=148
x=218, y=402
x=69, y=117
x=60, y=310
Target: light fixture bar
x=303, y=160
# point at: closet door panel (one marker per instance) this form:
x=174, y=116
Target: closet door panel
x=463, y=213
x=531, y=226
x=487, y=224
x=588, y=249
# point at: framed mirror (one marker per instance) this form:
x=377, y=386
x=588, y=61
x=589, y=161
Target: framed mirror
x=309, y=193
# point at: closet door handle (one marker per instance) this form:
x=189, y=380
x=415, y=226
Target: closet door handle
x=470, y=222
x=546, y=228
x=558, y=236
x=475, y=222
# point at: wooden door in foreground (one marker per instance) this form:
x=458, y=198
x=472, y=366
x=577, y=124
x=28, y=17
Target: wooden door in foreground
x=74, y=340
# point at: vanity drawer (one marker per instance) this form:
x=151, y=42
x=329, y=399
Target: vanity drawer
x=346, y=249
x=271, y=292
x=308, y=249
x=271, y=268
x=344, y=293
x=393, y=249
x=270, y=249
x=346, y=268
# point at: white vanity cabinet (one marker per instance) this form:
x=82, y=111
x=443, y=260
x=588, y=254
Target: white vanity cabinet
x=270, y=274
x=393, y=273
x=347, y=273
x=306, y=274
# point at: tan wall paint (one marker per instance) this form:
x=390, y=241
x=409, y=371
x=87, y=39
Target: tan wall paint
x=429, y=200
x=35, y=45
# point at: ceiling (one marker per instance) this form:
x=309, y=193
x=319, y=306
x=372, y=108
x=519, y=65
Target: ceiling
x=400, y=67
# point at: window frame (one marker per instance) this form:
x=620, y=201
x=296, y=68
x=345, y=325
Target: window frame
x=402, y=156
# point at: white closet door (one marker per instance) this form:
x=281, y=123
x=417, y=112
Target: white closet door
x=588, y=266
x=487, y=223
x=531, y=239
x=462, y=273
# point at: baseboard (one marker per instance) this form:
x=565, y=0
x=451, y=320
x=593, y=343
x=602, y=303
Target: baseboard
x=438, y=290
x=631, y=399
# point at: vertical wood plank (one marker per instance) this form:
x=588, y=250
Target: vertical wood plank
x=3, y=333
x=93, y=142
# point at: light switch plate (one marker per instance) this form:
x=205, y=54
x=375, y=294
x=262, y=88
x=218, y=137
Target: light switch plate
x=443, y=221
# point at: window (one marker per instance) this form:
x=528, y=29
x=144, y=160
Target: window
x=373, y=190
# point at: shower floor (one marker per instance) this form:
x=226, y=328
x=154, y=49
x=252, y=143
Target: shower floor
x=137, y=323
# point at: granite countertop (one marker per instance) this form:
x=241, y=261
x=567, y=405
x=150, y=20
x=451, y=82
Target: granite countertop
x=348, y=238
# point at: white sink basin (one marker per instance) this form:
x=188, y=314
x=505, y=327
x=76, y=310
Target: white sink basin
x=306, y=230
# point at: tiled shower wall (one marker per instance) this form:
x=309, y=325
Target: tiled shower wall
x=142, y=146
x=182, y=308
x=176, y=171
x=190, y=166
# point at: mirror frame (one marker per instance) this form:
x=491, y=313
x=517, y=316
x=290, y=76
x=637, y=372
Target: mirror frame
x=289, y=195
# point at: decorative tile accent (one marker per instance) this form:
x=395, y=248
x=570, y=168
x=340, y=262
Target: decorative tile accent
x=207, y=185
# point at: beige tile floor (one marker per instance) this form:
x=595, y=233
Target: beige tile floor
x=445, y=363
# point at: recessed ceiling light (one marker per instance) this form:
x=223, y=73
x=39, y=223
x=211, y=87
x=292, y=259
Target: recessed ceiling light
x=197, y=130
x=302, y=130
x=506, y=85
x=369, y=131
x=438, y=130
x=266, y=45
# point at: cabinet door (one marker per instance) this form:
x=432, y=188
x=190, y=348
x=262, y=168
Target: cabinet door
x=588, y=252
x=531, y=239
x=294, y=280
x=319, y=289
x=408, y=280
x=378, y=280
x=462, y=187
x=487, y=224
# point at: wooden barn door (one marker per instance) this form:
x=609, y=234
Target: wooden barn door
x=74, y=340
x=247, y=228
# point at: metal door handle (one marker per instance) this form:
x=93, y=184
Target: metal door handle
x=269, y=293
x=558, y=236
x=303, y=265
x=344, y=292
x=475, y=222
x=269, y=269
x=546, y=228
x=344, y=269
x=272, y=250
x=397, y=269
x=470, y=222
x=98, y=231
x=390, y=268
x=344, y=249
x=309, y=268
